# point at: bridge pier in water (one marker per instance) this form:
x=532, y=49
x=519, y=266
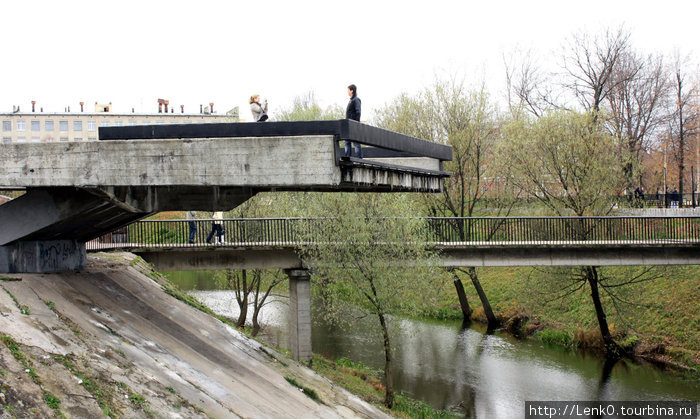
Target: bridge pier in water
x=299, y=314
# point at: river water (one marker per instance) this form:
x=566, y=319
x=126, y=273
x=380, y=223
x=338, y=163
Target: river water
x=449, y=365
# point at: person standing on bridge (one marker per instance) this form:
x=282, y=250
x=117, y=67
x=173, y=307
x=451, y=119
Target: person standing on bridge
x=353, y=111
x=217, y=226
x=191, y=216
x=258, y=110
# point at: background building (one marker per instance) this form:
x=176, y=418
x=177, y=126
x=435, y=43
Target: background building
x=39, y=127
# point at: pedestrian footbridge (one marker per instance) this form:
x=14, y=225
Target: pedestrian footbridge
x=76, y=192
x=273, y=243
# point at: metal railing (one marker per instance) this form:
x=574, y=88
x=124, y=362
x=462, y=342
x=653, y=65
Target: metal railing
x=445, y=231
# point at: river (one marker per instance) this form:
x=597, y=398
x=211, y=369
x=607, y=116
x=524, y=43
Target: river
x=447, y=364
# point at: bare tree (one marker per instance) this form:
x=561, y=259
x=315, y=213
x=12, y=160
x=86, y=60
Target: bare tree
x=636, y=102
x=528, y=86
x=590, y=64
x=680, y=119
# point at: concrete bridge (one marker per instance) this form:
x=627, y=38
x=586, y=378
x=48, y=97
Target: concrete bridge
x=76, y=192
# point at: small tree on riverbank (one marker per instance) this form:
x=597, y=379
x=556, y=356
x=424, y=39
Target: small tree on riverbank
x=569, y=163
x=371, y=256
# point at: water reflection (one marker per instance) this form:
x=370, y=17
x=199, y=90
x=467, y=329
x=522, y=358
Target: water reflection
x=485, y=375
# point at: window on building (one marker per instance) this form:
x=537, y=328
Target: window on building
x=21, y=125
x=36, y=139
x=104, y=123
x=118, y=124
x=21, y=140
x=48, y=126
x=92, y=126
x=77, y=139
x=63, y=125
x=64, y=139
x=132, y=123
x=36, y=125
x=77, y=125
x=7, y=125
x=6, y=140
x=92, y=139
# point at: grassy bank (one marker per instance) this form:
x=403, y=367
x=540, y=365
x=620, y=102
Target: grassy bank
x=365, y=382
x=657, y=318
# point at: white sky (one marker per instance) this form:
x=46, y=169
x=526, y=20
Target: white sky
x=195, y=52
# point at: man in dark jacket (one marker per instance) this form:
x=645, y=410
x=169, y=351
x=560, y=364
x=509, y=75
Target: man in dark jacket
x=353, y=112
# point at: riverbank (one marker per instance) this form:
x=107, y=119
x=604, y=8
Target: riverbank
x=109, y=341
x=656, y=319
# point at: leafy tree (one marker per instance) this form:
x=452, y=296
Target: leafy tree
x=372, y=257
x=449, y=113
x=567, y=160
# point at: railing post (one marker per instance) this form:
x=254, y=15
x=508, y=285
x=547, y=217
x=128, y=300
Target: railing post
x=299, y=314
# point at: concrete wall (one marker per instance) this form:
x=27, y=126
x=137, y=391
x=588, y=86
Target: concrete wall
x=264, y=161
x=42, y=256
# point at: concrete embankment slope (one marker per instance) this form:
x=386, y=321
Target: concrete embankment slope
x=114, y=329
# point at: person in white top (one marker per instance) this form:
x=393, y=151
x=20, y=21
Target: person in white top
x=217, y=226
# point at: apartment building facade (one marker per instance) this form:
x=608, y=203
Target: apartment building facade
x=42, y=127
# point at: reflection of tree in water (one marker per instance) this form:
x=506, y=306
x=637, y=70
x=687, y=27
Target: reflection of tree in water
x=470, y=353
x=606, y=374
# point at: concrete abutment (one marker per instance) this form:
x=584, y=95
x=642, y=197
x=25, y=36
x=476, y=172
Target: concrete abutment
x=42, y=256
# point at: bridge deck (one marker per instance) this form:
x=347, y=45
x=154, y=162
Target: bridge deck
x=272, y=243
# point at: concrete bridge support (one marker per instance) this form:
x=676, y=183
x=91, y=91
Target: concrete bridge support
x=42, y=256
x=300, y=314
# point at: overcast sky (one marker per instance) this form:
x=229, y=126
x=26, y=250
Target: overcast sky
x=131, y=53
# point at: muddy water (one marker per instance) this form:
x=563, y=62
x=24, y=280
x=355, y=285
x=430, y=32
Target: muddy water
x=487, y=375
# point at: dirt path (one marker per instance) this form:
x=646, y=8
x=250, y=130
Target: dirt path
x=109, y=341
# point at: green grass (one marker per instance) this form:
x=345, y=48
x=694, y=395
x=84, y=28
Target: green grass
x=20, y=357
x=418, y=409
x=555, y=337
x=311, y=393
x=22, y=308
x=364, y=381
x=137, y=399
x=91, y=385
x=52, y=401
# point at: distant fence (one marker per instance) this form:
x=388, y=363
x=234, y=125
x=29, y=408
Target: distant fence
x=438, y=230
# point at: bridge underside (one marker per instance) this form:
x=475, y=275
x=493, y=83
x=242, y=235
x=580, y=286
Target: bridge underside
x=219, y=258
x=79, y=191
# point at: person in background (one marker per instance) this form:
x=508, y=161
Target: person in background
x=217, y=226
x=191, y=216
x=354, y=112
x=258, y=110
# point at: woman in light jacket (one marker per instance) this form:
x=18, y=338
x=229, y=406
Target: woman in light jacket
x=257, y=109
